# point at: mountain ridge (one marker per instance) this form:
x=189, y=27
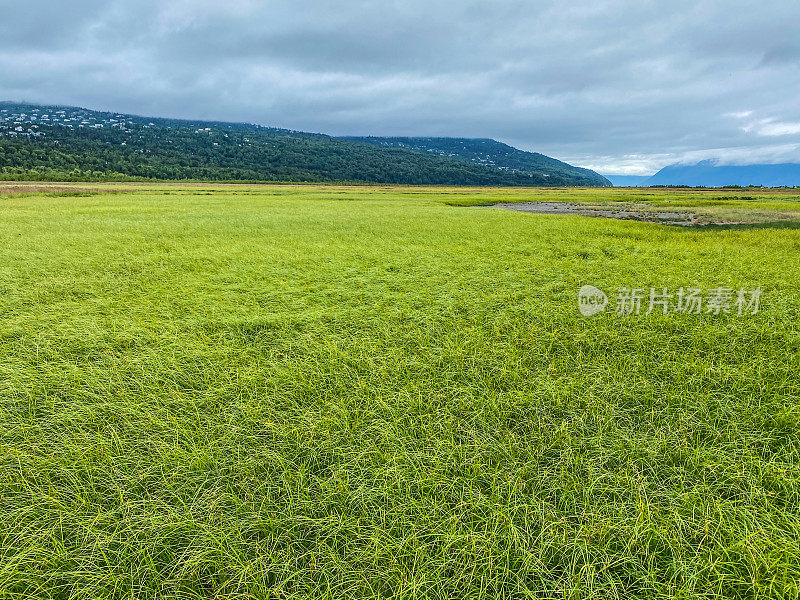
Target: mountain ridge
x=710, y=174
x=56, y=139
x=490, y=152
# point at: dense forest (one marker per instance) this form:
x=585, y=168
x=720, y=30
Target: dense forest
x=491, y=153
x=51, y=142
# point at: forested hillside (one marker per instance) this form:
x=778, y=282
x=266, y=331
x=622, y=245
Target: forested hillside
x=52, y=142
x=491, y=153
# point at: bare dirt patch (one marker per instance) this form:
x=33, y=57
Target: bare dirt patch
x=685, y=219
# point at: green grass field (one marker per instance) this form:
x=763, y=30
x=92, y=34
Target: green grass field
x=330, y=392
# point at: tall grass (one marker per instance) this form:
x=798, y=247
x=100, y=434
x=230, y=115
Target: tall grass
x=305, y=392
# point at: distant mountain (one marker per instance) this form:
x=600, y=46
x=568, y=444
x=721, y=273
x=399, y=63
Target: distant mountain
x=709, y=174
x=62, y=142
x=491, y=153
x=628, y=180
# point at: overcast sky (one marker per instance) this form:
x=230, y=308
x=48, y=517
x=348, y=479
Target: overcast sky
x=621, y=86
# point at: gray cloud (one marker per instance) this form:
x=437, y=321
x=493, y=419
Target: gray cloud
x=618, y=85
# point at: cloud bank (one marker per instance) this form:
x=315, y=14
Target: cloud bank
x=620, y=86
